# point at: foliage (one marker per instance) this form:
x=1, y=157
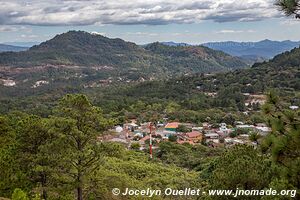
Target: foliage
x=254, y=137
x=284, y=142
x=186, y=155
x=135, y=146
x=241, y=167
x=172, y=138
x=182, y=129
x=289, y=7
x=117, y=58
x=19, y=195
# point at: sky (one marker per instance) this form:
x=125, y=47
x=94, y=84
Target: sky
x=145, y=21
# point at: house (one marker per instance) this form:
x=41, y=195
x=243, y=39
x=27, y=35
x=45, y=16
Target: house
x=263, y=130
x=245, y=126
x=197, y=128
x=206, y=125
x=188, y=125
x=172, y=126
x=131, y=126
x=166, y=134
x=194, y=136
x=212, y=137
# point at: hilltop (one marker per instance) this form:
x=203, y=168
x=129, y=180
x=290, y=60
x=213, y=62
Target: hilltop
x=78, y=48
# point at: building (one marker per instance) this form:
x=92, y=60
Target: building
x=212, y=137
x=263, y=130
x=194, y=136
x=172, y=126
x=197, y=128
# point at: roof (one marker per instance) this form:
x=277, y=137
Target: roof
x=193, y=134
x=172, y=125
x=211, y=135
x=245, y=126
x=264, y=129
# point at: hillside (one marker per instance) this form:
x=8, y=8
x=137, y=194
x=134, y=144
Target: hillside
x=123, y=59
x=281, y=73
x=5, y=47
x=195, y=58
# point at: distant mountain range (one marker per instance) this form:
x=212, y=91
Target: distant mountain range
x=250, y=52
x=5, y=47
x=174, y=44
x=22, y=44
x=265, y=48
x=123, y=59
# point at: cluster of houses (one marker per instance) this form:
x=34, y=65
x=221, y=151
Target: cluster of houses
x=192, y=134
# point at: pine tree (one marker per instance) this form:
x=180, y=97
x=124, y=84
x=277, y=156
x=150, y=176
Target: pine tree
x=77, y=124
x=289, y=7
x=284, y=141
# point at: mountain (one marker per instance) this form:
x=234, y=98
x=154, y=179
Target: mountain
x=22, y=44
x=5, y=47
x=266, y=48
x=281, y=73
x=121, y=58
x=175, y=44
x=192, y=59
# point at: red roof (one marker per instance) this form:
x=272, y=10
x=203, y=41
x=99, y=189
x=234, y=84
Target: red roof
x=172, y=125
x=193, y=134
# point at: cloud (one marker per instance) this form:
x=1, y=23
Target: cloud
x=290, y=22
x=148, y=12
x=5, y=28
x=229, y=31
x=149, y=34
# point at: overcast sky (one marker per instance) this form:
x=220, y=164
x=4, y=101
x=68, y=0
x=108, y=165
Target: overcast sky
x=144, y=21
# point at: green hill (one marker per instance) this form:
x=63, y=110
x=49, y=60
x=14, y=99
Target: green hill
x=78, y=48
x=282, y=73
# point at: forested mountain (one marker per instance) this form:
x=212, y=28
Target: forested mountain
x=35, y=123
x=5, y=47
x=190, y=92
x=77, y=48
x=282, y=72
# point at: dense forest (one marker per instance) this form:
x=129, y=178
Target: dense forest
x=185, y=98
x=49, y=135
x=120, y=58
x=59, y=157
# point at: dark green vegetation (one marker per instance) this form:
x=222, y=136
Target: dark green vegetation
x=120, y=58
x=187, y=99
x=49, y=146
x=183, y=98
x=289, y=7
x=59, y=157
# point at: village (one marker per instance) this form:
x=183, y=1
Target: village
x=137, y=136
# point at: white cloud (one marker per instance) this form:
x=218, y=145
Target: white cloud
x=290, y=22
x=149, y=12
x=142, y=34
x=230, y=31
x=31, y=36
